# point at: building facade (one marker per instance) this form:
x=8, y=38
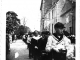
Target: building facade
x=53, y=11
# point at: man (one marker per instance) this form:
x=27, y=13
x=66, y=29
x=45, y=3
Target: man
x=29, y=37
x=34, y=44
x=58, y=43
x=42, y=44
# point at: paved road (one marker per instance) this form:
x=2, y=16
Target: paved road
x=18, y=51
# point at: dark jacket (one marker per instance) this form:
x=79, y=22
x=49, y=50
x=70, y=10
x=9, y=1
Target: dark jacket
x=42, y=44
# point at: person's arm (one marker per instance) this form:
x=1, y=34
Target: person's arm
x=49, y=43
x=28, y=39
x=67, y=42
x=69, y=47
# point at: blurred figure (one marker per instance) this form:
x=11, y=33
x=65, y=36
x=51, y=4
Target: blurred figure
x=25, y=37
x=29, y=37
x=10, y=38
x=42, y=44
x=15, y=37
x=58, y=43
x=34, y=44
x=7, y=44
x=72, y=38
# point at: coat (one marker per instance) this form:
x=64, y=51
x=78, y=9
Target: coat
x=55, y=44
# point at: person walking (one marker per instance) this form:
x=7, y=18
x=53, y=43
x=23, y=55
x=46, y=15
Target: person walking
x=34, y=43
x=42, y=44
x=29, y=38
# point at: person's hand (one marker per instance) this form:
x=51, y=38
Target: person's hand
x=57, y=50
x=48, y=49
x=36, y=47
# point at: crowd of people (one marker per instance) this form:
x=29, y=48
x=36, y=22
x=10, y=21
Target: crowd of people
x=46, y=46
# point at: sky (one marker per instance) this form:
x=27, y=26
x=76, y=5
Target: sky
x=26, y=9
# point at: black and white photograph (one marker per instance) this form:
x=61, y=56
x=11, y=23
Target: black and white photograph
x=39, y=29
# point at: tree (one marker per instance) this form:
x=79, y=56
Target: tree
x=12, y=22
x=22, y=30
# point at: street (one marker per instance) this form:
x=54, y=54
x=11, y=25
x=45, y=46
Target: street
x=18, y=51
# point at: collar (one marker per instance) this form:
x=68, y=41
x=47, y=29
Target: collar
x=36, y=37
x=58, y=37
x=59, y=41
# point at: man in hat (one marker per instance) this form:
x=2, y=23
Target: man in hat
x=58, y=43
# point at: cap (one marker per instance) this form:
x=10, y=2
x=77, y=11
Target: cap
x=59, y=25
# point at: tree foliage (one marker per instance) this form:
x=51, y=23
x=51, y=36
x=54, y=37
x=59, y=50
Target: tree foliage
x=12, y=22
x=22, y=30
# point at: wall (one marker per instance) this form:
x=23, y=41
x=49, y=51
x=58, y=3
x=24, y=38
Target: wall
x=53, y=15
x=68, y=17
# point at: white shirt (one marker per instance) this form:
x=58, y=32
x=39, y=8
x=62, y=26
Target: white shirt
x=37, y=37
x=53, y=43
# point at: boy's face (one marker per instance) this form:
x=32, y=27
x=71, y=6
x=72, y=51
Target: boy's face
x=59, y=30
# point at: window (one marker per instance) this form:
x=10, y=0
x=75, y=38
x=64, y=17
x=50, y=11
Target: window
x=49, y=27
x=52, y=14
x=49, y=15
x=52, y=28
x=70, y=30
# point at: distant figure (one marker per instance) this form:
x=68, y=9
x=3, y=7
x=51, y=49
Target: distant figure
x=29, y=37
x=7, y=44
x=34, y=44
x=12, y=38
x=25, y=38
x=15, y=37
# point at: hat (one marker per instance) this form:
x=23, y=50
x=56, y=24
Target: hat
x=59, y=25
